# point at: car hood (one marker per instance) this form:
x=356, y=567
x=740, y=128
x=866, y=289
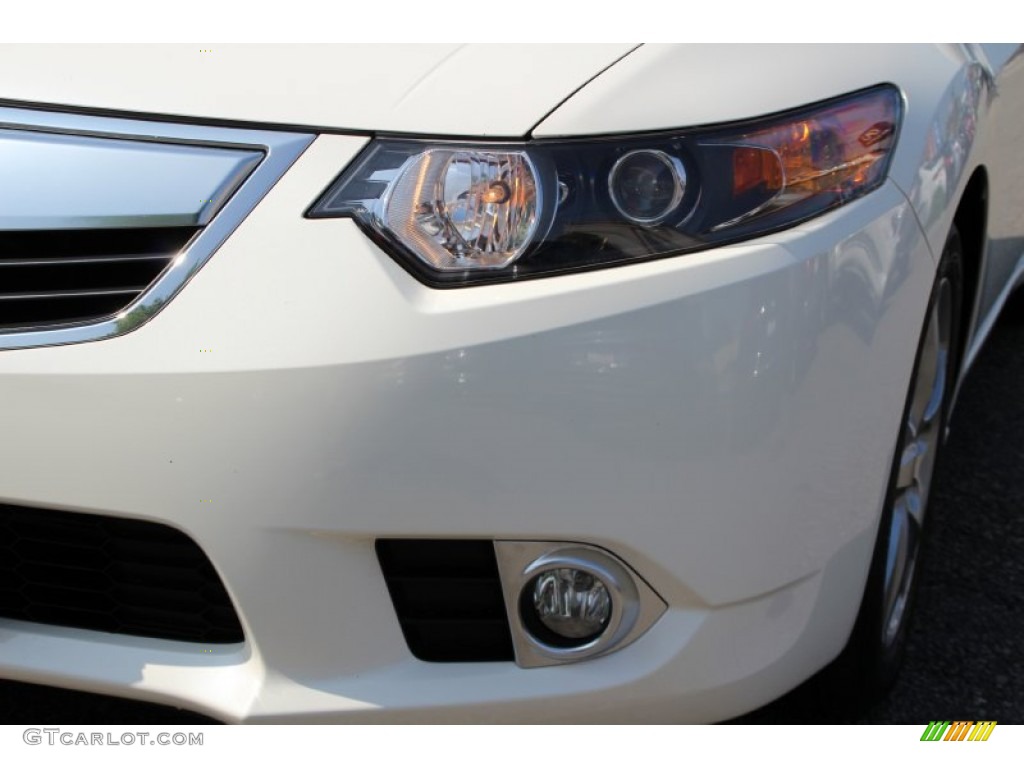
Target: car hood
x=471, y=90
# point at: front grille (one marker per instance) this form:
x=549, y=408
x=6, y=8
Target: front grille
x=109, y=574
x=53, y=277
x=447, y=594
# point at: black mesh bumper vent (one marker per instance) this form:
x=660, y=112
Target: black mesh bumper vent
x=109, y=574
x=448, y=598
x=55, y=277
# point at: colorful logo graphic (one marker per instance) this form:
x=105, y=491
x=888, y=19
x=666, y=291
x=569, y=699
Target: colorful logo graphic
x=958, y=730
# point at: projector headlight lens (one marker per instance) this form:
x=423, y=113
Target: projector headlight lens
x=647, y=185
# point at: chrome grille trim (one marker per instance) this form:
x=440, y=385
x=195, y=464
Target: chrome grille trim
x=61, y=181
x=279, y=150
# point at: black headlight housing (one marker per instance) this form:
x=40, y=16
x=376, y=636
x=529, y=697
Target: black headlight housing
x=458, y=213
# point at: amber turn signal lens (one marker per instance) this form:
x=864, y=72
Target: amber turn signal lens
x=753, y=167
x=836, y=151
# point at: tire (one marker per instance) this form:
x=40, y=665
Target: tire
x=868, y=666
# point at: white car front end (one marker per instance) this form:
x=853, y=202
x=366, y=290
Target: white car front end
x=721, y=422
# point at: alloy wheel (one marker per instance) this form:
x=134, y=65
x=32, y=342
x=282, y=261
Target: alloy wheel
x=919, y=443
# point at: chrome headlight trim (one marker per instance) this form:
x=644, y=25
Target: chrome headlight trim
x=278, y=149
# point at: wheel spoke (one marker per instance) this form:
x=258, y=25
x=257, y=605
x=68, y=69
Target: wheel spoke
x=908, y=465
x=911, y=505
x=927, y=373
x=938, y=390
x=895, y=574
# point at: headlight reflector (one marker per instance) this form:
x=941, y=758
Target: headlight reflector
x=463, y=209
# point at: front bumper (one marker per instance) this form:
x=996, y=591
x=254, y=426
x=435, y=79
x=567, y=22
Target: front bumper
x=723, y=422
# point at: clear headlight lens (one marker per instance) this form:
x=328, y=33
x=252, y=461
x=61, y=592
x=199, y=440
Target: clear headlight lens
x=458, y=213
x=463, y=209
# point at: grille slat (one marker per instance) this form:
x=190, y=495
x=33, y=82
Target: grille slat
x=61, y=261
x=57, y=575
x=70, y=294
x=448, y=598
x=56, y=277
x=173, y=582
x=431, y=598
x=109, y=574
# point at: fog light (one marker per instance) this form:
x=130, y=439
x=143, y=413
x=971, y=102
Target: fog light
x=568, y=602
x=573, y=605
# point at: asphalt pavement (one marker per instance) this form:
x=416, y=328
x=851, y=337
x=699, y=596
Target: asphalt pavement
x=965, y=659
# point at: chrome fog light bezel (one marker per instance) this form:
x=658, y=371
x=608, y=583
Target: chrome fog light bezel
x=634, y=605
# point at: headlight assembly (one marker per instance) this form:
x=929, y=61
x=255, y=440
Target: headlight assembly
x=459, y=213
